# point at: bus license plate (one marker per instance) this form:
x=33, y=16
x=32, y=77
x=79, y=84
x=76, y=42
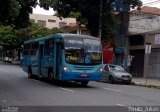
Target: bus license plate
x=84, y=75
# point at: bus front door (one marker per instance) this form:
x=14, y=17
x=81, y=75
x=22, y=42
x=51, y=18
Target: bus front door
x=40, y=57
x=58, y=60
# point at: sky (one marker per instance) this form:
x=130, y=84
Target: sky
x=38, y=10
x=152, y=3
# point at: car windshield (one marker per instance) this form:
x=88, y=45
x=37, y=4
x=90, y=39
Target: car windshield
x=116, y=68
x=82, y=51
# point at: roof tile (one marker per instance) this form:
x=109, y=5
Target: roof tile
x=148, y=10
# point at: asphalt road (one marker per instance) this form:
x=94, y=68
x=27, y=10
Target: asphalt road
x=17, y=89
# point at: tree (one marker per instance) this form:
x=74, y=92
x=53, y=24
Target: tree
x=8, y=37
x=9, y=10
x=16, y=12
x=22, y=20
x=36, y=31
x=89, y=10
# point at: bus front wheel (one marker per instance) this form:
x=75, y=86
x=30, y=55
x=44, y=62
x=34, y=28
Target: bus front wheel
x=84, y=83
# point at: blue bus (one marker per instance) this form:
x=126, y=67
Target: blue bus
x=69, y=57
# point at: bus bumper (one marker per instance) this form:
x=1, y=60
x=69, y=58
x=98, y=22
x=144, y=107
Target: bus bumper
x=72, y=76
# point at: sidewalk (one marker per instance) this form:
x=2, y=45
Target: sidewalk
x=152, y=83
x=16, y=62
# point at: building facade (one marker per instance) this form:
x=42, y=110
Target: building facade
x=145, y=63
x=50, y=21
x=145, y=20
x=144, y=28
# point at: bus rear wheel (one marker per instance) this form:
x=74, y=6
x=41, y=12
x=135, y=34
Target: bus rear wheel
x=50, y=75
x=84, y=83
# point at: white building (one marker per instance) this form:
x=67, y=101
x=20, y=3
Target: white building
x=50, y=21
x=144, y=28
x=145, y=20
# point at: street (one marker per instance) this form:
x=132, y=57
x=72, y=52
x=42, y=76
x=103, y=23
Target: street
x=17, y=89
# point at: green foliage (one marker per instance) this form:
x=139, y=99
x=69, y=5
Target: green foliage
x=16, y=12
x=11, y=38
x=8, y=37
x=134, y=3
x=9, y=10
x=75, y=14
x=36, y=31
x=22, y=20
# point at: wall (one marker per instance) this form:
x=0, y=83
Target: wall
x=154, y=56
x=141, y=23
x=146, y=64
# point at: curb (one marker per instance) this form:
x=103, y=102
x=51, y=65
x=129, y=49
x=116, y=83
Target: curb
x=9, y=63
x=144, y=85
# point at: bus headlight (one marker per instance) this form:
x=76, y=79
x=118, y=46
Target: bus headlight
x=65, y=68
x=100, y=70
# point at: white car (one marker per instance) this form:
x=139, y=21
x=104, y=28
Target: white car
x=8, y=59
x=115, y=73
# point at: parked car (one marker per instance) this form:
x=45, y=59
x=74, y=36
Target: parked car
x=115, y=73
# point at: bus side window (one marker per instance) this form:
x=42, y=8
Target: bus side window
x=46, y=47
x=35, y=48
x=49, y=47
x=30, y=49
x=27, y=49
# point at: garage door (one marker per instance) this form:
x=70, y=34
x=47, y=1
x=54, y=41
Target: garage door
x=154, y=64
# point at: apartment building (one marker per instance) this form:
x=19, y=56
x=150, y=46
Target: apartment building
x=50, y=21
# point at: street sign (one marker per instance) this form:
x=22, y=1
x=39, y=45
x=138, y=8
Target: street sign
x=148, y=48
x=119, y=6
x=157, y=39
x=147, y=51
x=119, y=50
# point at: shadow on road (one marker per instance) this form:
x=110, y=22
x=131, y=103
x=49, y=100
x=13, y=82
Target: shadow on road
x=68, y=84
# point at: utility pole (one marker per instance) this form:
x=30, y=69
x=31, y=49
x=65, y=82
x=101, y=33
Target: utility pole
x=147, y=52
x=100, y=20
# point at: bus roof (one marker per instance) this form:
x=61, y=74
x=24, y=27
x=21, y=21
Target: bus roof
x=60, y=35
x=78, y=36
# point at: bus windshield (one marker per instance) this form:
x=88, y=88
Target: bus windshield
x=82, y=51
